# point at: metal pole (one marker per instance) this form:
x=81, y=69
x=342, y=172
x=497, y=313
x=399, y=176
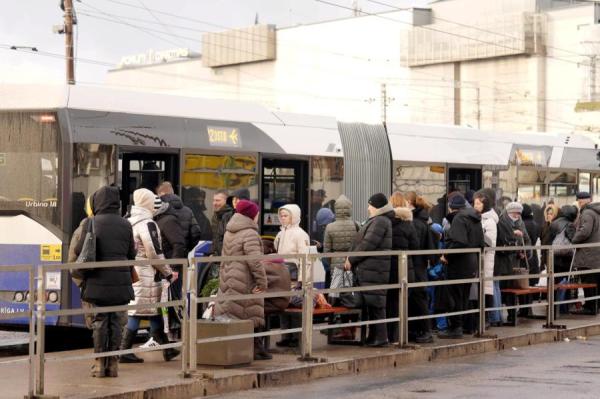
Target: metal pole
x=193, y=318
x=403, y=310
x=550, y=294
x=185, y=335
x=32, y=335
x=41, y=316
x=481, y=293
x=307, y=309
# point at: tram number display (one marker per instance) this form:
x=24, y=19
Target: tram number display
x=224, y=136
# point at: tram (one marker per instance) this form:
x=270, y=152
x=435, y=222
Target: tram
x=58, y=144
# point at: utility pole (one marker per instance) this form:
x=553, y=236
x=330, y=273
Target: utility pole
x=67, y=6
x=385, y=101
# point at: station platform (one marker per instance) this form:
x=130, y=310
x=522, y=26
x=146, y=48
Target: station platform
x=158, y=379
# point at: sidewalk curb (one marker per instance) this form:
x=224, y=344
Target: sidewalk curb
x=302, y=373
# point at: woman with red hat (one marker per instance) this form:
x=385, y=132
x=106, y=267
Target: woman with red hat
x=244, y=277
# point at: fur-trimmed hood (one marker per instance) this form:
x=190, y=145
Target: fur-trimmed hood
x=404, y=214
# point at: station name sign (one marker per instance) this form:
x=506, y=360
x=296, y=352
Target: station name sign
x=224, y=136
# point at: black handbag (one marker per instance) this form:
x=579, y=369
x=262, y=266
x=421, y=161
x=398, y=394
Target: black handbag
x=88, y=250
x=351, y=300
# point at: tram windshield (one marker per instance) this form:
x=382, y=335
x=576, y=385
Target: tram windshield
x=29, y=164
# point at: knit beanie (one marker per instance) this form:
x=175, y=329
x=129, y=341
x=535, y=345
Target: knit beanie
x=157, y=203
x=144, y=198
x=378, y=200
x=514, y=207
x=247, y=208
x=457, y=202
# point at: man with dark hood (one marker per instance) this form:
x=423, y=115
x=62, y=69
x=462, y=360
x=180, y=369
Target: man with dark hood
x=185, y=216
x=195, y=199
x=111, y=286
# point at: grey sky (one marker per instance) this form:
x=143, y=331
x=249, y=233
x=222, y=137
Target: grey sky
x=29, y=23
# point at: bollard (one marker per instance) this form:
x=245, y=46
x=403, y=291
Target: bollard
x=403, y=309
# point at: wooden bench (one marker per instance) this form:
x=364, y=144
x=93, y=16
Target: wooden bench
x=321, y=315
x=513, y=296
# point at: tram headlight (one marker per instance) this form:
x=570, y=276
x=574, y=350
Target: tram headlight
x=19, y=296
x=53, y=296
x=27, y=296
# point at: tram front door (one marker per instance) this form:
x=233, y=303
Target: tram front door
x=284, y=181
x=146, y=171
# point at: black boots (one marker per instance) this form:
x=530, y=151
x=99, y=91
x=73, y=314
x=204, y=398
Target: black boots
x=260, y=352
x=161, y=338
x=127, y=343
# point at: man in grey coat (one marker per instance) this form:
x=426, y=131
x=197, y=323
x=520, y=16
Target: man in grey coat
x=588, y=231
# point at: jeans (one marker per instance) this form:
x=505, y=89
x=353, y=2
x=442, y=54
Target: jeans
x=495, y=316
x=156, y=323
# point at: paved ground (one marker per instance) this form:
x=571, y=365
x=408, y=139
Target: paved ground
x=565, y=370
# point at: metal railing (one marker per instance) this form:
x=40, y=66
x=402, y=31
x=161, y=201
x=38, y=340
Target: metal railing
x=190, y=301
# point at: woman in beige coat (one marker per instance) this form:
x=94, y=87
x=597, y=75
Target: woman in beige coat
x=243, y=277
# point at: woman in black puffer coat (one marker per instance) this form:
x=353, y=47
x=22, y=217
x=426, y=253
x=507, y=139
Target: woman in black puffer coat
x=375, y=235
x=110, y=286
x=404, y=237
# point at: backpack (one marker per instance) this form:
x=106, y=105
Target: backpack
x=562, y=239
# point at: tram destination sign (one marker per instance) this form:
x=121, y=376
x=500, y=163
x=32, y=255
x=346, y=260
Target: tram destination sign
x=224, y=136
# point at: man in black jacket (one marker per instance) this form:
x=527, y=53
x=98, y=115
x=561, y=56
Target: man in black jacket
x=108, y=286
x=174, y=247
x=375, y=235
x=465, y=232
x=185, y=216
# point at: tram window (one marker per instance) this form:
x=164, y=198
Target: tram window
x=204, y=175
x=507, y=185
x=595, y=183
x=326, y=185
x=93, y=167
x=29, y=165
x=428, y=181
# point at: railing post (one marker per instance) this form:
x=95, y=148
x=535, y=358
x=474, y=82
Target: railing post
x=403, y=298
x=32, y=334
x=41, y=321
x=550, y=293
x=481, y=293
x=307, y=309
x=185, y=334
x=193, y=336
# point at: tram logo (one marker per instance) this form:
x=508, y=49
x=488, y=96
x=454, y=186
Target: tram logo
x=224, y=136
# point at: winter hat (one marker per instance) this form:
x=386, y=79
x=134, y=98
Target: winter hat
x=583, y=195
x=241, y=193
x=324, y=217
x=378, y=200
x=247, y=208
x=514, y=207
x=144, y=198
x=457, y=202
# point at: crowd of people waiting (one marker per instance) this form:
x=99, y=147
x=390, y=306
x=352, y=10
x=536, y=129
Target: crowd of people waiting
x=159, y=226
